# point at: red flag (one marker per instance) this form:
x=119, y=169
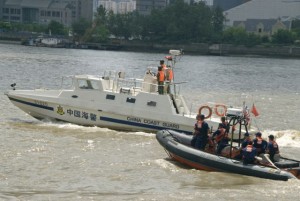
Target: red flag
x=254, y=110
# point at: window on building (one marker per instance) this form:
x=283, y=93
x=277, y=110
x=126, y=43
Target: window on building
x=42, y=13
x=12, y=11
x=259, y=30
x=18, y=11
x=15, y=18
x=49, y=13
x=6, y=10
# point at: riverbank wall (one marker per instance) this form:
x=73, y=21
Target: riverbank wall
x=220, y=49
x=193, y=48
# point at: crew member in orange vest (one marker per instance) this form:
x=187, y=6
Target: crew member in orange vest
x=249, y=153
x=163, y=65
x=160, y=80
x=169, y=78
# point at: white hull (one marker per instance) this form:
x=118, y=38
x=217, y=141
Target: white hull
x=140, y=120
x=115, y=102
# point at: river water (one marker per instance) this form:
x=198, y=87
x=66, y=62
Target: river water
x=61, y=161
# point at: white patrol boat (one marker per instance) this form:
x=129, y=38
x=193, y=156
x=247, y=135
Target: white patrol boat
x=112, y=101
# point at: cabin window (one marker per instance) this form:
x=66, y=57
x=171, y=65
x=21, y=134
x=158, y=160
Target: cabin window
x=151, y=103
x=87, y=84
x=110, y=97
x=130, y=100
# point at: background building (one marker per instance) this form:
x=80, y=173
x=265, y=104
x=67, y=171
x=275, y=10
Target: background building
x=44, y=11
x=117, y=6
x=144, y=7
x=263, y=27
x=228, y=4
x=285, y=10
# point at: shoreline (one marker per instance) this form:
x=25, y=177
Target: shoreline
x=267, y=50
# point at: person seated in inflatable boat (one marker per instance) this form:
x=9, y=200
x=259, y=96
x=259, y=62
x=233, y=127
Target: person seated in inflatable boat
x=260, y=144
x=247, y=139
x=223, y=125
x=273, y=149
x=249, y=154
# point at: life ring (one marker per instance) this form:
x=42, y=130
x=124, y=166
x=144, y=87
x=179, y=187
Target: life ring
x=224, y=110
x=209, y=111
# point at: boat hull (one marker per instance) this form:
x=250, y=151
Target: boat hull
x=176, y=144
x=48, y=110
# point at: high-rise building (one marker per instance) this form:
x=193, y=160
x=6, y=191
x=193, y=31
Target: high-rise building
x=144, y=7
x=116, y=6
x=44, y=11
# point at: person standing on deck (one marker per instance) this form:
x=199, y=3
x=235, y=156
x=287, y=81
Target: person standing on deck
x=169, y=78
x=160, y=80
x=163, y=65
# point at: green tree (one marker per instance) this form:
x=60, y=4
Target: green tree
x=180, y=22
x=101, y=16
x=5, y=26
x=80, y=27
x=98, y=31
x=283, y=37
x=218, y=24
x=296, y=28
x=135, y=23
x=235, y=35
x=101, y=34
x=252, y=40
x=56, y=28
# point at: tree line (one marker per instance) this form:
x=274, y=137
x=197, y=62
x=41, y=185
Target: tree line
x=177, y=23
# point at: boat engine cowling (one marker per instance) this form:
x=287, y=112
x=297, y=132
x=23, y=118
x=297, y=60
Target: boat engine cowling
x=234, y=112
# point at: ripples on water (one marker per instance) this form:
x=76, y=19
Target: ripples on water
x=54, y=161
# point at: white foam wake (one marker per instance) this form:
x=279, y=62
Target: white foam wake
x=286, y=138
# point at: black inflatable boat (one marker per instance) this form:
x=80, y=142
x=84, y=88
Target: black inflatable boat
x=178, y=146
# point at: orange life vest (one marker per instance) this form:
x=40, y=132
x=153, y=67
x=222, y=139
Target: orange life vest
x=169, y=73
x=249, y=148
x=164, y=66
x=161, y=76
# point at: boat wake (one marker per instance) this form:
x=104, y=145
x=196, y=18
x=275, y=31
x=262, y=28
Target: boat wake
x=91, y=129
x=168, y=164
x=285, y=138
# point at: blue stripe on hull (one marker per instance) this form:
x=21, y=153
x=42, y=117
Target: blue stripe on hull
x=108, y=119
x=152, y=127
x=31, y=104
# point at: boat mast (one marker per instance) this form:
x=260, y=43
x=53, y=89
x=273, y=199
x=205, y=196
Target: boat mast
x=173, y=58
x=237, y=120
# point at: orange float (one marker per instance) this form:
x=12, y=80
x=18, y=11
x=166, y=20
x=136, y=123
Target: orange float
x=217, y=110
x=207, y=108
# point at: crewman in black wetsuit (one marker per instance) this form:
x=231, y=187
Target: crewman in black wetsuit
x=200, y=138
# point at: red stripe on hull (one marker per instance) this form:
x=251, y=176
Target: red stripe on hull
x=192, y=164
